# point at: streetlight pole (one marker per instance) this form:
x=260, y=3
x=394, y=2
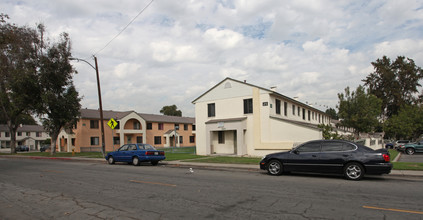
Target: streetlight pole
x=103, y=150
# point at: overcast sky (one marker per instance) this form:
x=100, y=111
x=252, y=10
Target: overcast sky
x=176, y=50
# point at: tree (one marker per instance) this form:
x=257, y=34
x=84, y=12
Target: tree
x=359, y=110
x=332, y=113
x=25, y=119
x=395, y=83
x=60, y=101
x=171, y=110
x=407, y=124
x=19, y=88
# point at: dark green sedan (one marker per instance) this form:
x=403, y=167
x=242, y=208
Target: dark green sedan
x=411, y=148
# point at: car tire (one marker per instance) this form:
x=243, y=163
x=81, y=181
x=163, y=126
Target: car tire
x=135, y=161
x=274, y=167
x=111, y=160
x=154, y=163
x=354, y=171
x=410, y=151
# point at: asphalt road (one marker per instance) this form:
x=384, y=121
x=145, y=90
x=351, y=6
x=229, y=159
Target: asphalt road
x=415, y=158
x=49, y=189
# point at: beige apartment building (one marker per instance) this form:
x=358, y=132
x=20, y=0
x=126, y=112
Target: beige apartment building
x=28, y=135
x=132, y=127
x=238, y=118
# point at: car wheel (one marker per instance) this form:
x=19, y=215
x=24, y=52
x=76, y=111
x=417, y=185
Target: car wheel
x=111, y=160
x=353, y=171
x=154, y=163
x=274, y=167
x=410, y=151
x=135, y=161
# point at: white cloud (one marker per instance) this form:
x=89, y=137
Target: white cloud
x=177, y=50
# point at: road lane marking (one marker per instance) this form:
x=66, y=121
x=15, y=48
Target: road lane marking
x=155, y=183
x=394, y=210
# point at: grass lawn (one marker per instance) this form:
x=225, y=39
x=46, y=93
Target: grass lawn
x=407, y=166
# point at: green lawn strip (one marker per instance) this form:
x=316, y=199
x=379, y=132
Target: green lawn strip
x=407, y=166
x=393, y=154
x=181, y=156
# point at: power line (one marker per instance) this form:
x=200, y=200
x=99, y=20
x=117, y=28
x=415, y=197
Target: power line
x=124, y=27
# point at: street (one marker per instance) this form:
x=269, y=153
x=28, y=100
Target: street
x=53, y=189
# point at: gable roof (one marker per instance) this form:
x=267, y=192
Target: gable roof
x=262, y=88
x=24, y=128
x=108, y=114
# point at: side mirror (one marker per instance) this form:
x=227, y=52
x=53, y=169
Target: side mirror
x=295, y=151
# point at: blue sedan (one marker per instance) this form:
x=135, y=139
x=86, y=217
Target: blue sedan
x=136, y=153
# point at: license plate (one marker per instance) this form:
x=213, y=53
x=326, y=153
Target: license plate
x=156, y=153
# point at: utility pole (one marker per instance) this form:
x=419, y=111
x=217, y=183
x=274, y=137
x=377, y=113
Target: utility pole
x=103, y=144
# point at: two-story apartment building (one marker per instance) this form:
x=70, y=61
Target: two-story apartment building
x=239, y=118
x=28, y=135
x=133, y=127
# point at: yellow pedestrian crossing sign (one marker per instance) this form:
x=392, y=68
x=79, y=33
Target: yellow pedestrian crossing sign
x=112, y=123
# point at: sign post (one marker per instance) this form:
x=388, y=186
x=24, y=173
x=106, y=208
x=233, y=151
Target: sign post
x=112, y=124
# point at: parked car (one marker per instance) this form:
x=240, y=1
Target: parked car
x=389, y=146
x=22, y=148
x=136, y=153
x=329, y=156
x=411, y=148
x=44, y=148
x=400, y=142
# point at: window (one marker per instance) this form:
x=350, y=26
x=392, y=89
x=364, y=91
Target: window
x=303, y=114
x=94, y=124
x=19, y=133
x=185, y=127
x=285, y=108
x=137, y=125
x=116, y=141
x=293, y=109
x=181, y=139
x=157, y=140
x=38, y=134
x=6, y=134
x=149, y=126
x=309, y=115
x=348, y=147
x=28, y=134
x=248, y=106
x=124, y=148
x=139, y=139
x=95, y=141
x=332, y=146
x=176, y=126
x=221, y=137
x=211, y=112
x=309, y=147
x=160, y=126
x=278, y=106
x=192, y=139
x=193, y=127
x=299, y=111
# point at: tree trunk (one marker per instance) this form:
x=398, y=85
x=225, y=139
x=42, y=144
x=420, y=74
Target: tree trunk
x=53, y=143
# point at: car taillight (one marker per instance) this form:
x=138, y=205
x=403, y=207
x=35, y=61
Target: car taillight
x=149, y=153
x=386, y=157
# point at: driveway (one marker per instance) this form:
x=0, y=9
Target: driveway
x=416, y=158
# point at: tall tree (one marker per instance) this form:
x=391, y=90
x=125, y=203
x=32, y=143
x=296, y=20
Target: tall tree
x=19, y=88
x=332, y=113
x=407, y=124
x=395, y=83
x=171, y=110
x=60, y=101
x=359, y=110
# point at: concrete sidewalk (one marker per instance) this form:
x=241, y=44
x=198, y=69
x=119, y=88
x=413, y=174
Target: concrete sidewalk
x=216, y=166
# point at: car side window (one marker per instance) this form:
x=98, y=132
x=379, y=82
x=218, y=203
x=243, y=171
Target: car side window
x=141, y=146
x=348, y=147
x=124, y=148
x=132, y=147
x=309, y=147
x=332, y=146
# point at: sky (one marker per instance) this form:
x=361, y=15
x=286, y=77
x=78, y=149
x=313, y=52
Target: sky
x=174, y=51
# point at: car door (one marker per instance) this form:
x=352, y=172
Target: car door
x=132, y=151
x=333, y=156
x=304, y=158
x=419, y=146
x=120, y=155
